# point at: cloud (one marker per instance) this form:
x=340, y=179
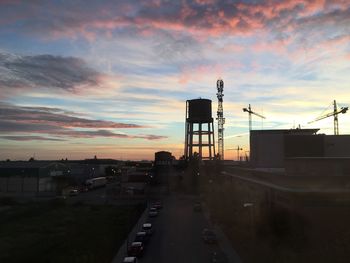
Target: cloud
x=30, y=138
x=45, y=72
x=56, y=117
x=91, y=18
x=55, y=122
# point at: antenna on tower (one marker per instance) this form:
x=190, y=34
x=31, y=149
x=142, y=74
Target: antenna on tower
x=220, y=118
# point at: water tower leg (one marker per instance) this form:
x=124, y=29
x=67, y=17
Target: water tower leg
x=209, y=141
x=200, y=139
x=191, y=140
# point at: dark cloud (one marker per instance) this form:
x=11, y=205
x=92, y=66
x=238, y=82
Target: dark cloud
x=24, y=121
x=30, y=138
x=55, y=117
x=45, y=71
x=151, y=137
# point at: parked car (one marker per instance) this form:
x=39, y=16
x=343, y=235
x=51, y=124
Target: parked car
x=158, y=205
x=83, y=189
x=136, y=249
x=218, y=257
x=73, y=192
x=148, y=228
x=152, y=212
x=130, y=260
x=142, y=237
x=209, y=236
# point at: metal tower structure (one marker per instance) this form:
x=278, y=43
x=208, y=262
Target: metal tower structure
x=220, y=118
x=199, y=130
x=335, y=114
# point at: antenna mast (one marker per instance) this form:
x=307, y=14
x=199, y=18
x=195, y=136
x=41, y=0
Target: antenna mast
x=220, y=118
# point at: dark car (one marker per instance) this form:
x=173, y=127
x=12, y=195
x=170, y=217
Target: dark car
x=218, y=257
x=136, y=249
x=148, y=228
x=142, y=237
x=209, y=236
x=158, y=205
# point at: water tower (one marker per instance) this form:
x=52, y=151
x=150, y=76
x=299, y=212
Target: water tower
x=199, y=129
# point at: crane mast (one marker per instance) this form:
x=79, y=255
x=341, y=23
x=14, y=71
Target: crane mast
x=250, y=112
x=335, y=114
x=220, y=118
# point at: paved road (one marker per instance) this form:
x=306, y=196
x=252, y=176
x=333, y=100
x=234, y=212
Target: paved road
x=178, y=234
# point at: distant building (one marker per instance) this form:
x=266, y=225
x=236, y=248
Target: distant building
x=163, y=158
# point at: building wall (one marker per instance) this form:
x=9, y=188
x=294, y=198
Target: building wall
x=317, y=166
x=267, y=150
x=30, y=184
x=27, y=185
x=304, y=145
x=3, y=184
x=337, y=146
x=18, y=184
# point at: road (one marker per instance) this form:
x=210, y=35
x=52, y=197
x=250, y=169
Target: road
x=177, y=236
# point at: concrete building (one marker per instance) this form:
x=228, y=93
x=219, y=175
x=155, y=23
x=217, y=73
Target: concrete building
x=268, y=148
x=271, y=148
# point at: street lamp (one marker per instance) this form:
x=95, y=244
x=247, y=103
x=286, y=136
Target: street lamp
x=250, y=205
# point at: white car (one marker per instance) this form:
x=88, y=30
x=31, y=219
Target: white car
x=147, y=227
x=73, y=192
x=130, y=260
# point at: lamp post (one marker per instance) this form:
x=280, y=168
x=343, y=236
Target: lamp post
x=250, y=205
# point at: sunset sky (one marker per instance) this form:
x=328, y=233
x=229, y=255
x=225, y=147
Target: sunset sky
x=110, y=78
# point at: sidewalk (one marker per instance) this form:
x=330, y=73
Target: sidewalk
x=224, y=243
x=122, y=252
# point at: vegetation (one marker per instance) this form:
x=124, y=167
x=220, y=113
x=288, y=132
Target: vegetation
x=262, y=232
x=55, y=232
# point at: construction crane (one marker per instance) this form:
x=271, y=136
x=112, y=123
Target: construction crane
x=335, y=114
x=220, y=118
x=238, y=149
x=250, y=112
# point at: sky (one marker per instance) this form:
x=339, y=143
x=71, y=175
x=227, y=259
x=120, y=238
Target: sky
x=111, y=78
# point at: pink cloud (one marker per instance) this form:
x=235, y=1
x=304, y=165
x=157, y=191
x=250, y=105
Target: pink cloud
x=198, y=18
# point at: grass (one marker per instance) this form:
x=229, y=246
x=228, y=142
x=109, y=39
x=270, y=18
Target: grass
x=55, y=232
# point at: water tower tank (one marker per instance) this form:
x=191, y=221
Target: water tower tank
x=199, y=111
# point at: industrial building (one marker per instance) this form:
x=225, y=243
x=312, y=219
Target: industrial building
x=276, y=148
x=32, y=178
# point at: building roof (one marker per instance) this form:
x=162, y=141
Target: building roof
x=286, y=131
x=32, y=165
